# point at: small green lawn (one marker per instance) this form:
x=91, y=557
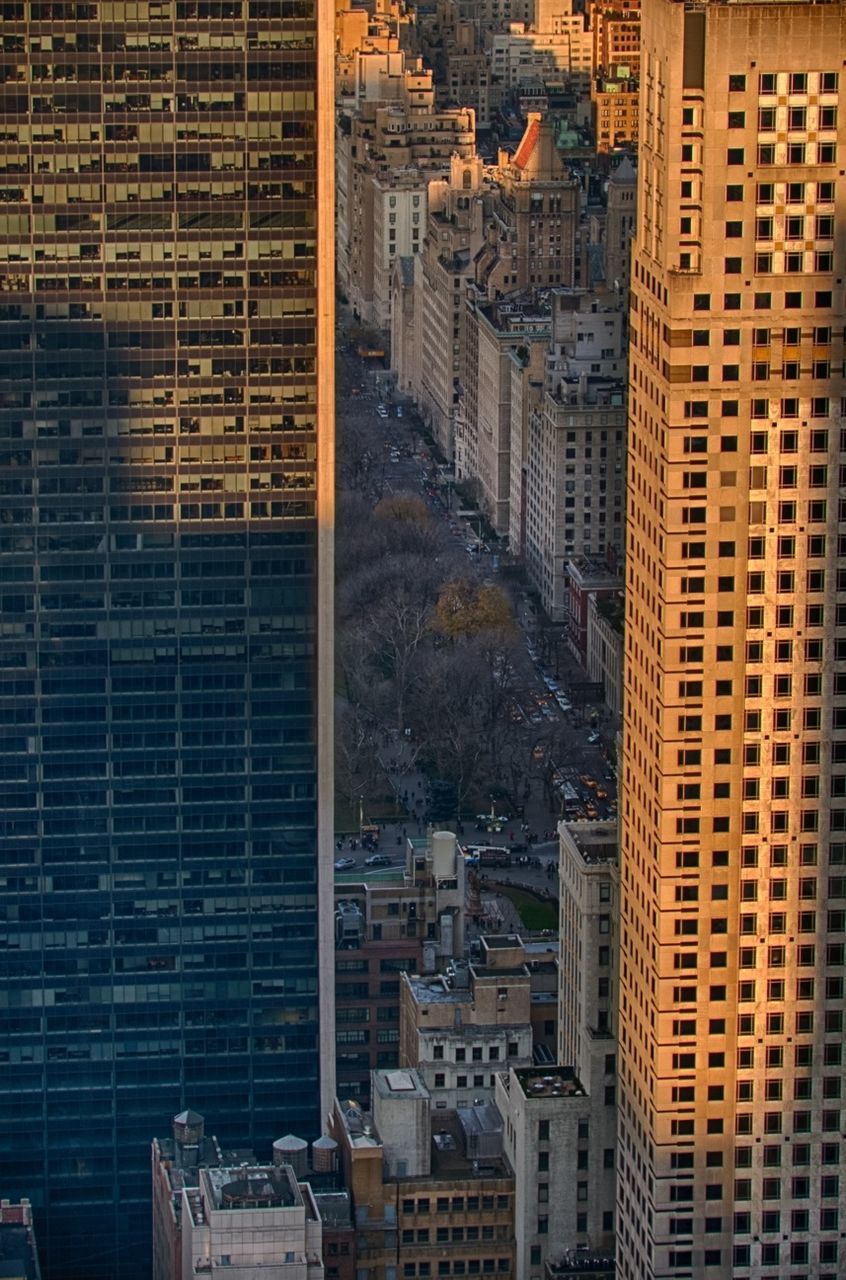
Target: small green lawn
x=535, y=914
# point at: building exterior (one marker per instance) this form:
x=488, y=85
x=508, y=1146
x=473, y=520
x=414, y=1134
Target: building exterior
x=379, y=144
x=575, y=445
x=460, y=1028
x=605, y=630
x=620, y=210
x=499, y=338
x=533, y=232
x=587, y=984
x=167, y=402
x=18, y=1247
x=563, y=1175
x=560, y=59
x=404, y=920
x=732, y=913
x=251, y=1219
x=453, y=236
x=586, y=579
x=176, y=1162
x=615, y=112
x=431, y=1190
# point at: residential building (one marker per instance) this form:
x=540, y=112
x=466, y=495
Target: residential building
x=605, y=631
x=454, y=234
x=18, y=1248
x=251, y=1219
x=533, y=230
x=559, y=1122
x=458, y=1029
x=499, y=339
x=179, y=1166
x=399, y=204
x=167, y=398
x=528, y=373
x=430, y=1189
x=615, y=112
x=404, y=919
x=731, y=1159
x=575, y=442
x=559, y=59
x=381, y=146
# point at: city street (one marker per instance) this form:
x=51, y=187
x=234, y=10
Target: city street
x=568, y=749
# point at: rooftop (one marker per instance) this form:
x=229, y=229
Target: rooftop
x=596, y=841
x=550, y=1082
x=18, y=1254
x=252, y=1187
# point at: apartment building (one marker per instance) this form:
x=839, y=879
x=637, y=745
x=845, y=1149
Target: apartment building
x=731, y=1156
x=454, y=234
x=500, y=337
x=575, y=444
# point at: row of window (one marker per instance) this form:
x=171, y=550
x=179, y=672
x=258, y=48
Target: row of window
x=770, y=82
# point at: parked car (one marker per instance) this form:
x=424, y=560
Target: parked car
x=345, y=864
x=377, y=860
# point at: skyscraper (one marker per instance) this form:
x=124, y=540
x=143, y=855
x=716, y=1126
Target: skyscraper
x=733, y=941
x=166, y=415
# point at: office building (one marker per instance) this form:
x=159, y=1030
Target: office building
x=733, y=916
x=166, y=402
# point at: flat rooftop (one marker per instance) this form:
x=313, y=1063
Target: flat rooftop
x=550, y=1082
x=596, y=841
x=252, y=1187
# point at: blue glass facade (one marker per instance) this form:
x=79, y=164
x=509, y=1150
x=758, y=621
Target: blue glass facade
x=159, y=413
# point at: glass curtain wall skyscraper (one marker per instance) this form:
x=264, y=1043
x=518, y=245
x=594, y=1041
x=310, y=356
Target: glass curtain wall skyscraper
x=166, y=461
x=733, y=858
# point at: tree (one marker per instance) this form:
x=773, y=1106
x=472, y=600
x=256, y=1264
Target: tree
x=465, y=609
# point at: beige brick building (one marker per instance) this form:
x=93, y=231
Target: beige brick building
x=733, y=915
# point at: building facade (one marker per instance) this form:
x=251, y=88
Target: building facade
x=165, y=659
x=731, y=1159
x=407, y=920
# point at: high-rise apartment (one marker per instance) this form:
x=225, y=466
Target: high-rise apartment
x=733, y=928
x=166, y=414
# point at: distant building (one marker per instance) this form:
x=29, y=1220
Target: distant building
x=460, y=1028
x=454, y=234
x=176, y=1161
x=18, y=1250
x=620, y=215
x=533, y=230
x=585, y=578
x=192, y=1176
x=384, y=148
x=406, y=919
x=575, y=445
x=605, y=647
x=500, y=338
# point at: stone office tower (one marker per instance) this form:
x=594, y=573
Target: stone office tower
x=166, y=460
x=733, y=920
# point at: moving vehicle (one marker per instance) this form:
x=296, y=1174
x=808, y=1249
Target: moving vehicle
x=377, y=860
x=382, y=411
x=344, y=864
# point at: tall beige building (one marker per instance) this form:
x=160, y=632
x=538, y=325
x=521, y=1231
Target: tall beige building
x=733, y=920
